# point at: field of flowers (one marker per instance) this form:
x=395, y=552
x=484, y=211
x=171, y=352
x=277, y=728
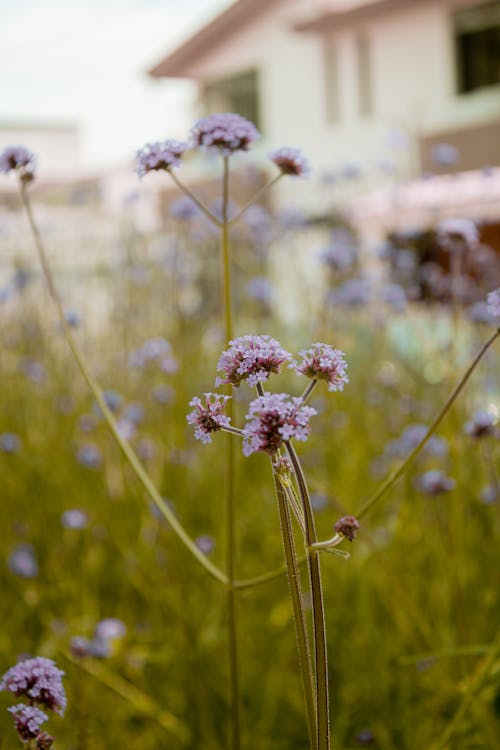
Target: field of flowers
x=93, y=576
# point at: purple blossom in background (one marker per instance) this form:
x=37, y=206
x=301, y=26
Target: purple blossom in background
x=22, y=561
x=493, y=302
x=183, y=209
x=163, y=394
x=110, y=628
x=260, y=289
x=226, y=132
x=208, y=418
x=134, y=412
x=152, y=350
x=489, y=494
x=350, y=171
x=28, y=720
x=291, y=161
x=457, y=234
x=10, y=443
x=273, y=418
x=89, y=455
x=18, y=158
x=205, y=543
x=74, y=518
x=112, y=399
x=323, y=362
x=411, y=436
x=73, y=318
x=340, y=254
x=352, y=293
x=126, y=428
x=480, y=312
x=159, y=156
x=251, y=358
x=435, y=482
x=347, y=526
x=395, y=296
x=444, y=155
x=38, y=679
x=481, y=425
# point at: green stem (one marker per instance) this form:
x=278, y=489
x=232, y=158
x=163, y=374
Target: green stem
x=395, y=475
x=125, y=447
x=204, y=209
x=320, y=646
x=293, y=570
x=230, y=483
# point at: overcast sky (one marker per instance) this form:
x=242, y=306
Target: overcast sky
x=84, y=61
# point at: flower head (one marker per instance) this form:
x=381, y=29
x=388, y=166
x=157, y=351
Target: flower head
x=435, y=482
x=227, y=132
x=28, y=720
x=493, y=301
x=18, y=159
x=39, y=680
x=273, y=418
x=323, y=362
x=291, y=161
x=159, y=156
x=347, y=526
x=481, y=425
x=208, y=417
x=44, y=741
x=251, y=358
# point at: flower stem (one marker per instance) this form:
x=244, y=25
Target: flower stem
x=395, y=475
x=293, y=571
x=204, y=209
x=320, y=646
x=255, y=197
x=125, y=447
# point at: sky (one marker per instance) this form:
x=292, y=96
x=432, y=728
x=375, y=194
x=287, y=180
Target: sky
x=85, y=62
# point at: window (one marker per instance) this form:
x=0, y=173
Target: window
x=477, y=35
x=238, y=94
x=365, y=94
x=331, y=78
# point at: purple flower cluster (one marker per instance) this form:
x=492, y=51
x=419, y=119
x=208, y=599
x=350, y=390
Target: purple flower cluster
x=18, y=159
x=435, y=482
x=226, y=132
x=208, y=417
x=39, y=680
x=251, y=358
x=291, y=161
x=28, y=720
x=323, y=362
x=159, y=156
x=481, y=425
x=274, y=418
x=493, y=301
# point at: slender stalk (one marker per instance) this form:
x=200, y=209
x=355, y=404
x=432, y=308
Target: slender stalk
x=125, y=447
x=204, y=209
x=272, y=575
x=398, y=473
x=255, y=197
x=320, y=646
x=293, y=571
x=230, y=483
x=310, y=388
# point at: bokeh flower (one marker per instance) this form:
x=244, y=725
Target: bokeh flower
x=159, y=156
x=435, y=482
x=251, y=358
x=323, y=362
x=208, y=417
x=274, y=418
x=482, y=424
x=22, y=561
x=38, y=679
x=493, y=301
x=291, y=161
x=226, y=132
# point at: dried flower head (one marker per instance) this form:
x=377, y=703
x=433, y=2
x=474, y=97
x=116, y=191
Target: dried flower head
x=208, y=417
x=44, y=741
x=251, y=358
x=18, y=159
x=159, y=156
x=274, y=418
x=323, y=362
x=347, y=526
x=493, y=301
x=227, y=132
x=39, y=680
x=291, y=161
x=28, y=720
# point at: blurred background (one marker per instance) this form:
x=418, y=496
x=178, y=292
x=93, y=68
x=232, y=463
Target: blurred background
x=396, y=104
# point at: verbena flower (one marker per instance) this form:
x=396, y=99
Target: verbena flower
x=44, y=741
x=74, y=518
x=159, y=156
x=435, y=482
x=323, y=362
x=226, y=132
x=9, y=443
x=445, y=154
x=18, y=159
x=481, y=425
x=22, y=561
x=347, y=526
x=273, y=418
x=110, y=628
x=28, y=720
x=208, y=417
x=39, y=680
x=251, y=358
x=291, y=161
x=493, y=301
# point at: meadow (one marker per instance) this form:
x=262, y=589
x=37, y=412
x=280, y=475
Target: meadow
x=411, y=615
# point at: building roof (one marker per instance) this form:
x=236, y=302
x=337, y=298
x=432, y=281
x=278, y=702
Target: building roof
x=178, y=63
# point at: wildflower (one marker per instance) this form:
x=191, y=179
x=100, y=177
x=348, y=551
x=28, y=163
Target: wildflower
x=291, y=161
x=457, y=234
x=28, y=720
x=74, y=519
x=435, y=482
x=163, y=394
x=444, y=154
x=251, y=358
x=80, y=647
x=395, y=296
x=352, y=293
x=273, y=418
x=340, y=254
x=208, y=418
x=493, y=301
x=260, y=289
x=134, y=413
x=365, y=737
x=89, y=455
x=205, y=543
x=44, y=741
x=18, y=159
x=481, y=425
x=9, y=443
x=183, y=209
x=347, y=526
x=112, y=399
x=159, y=156
x=323, y=362
x=39, y=680
x=110, y=628
x=489, y=494
x=319, y=501
x=22, y=561
x=227, y=132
